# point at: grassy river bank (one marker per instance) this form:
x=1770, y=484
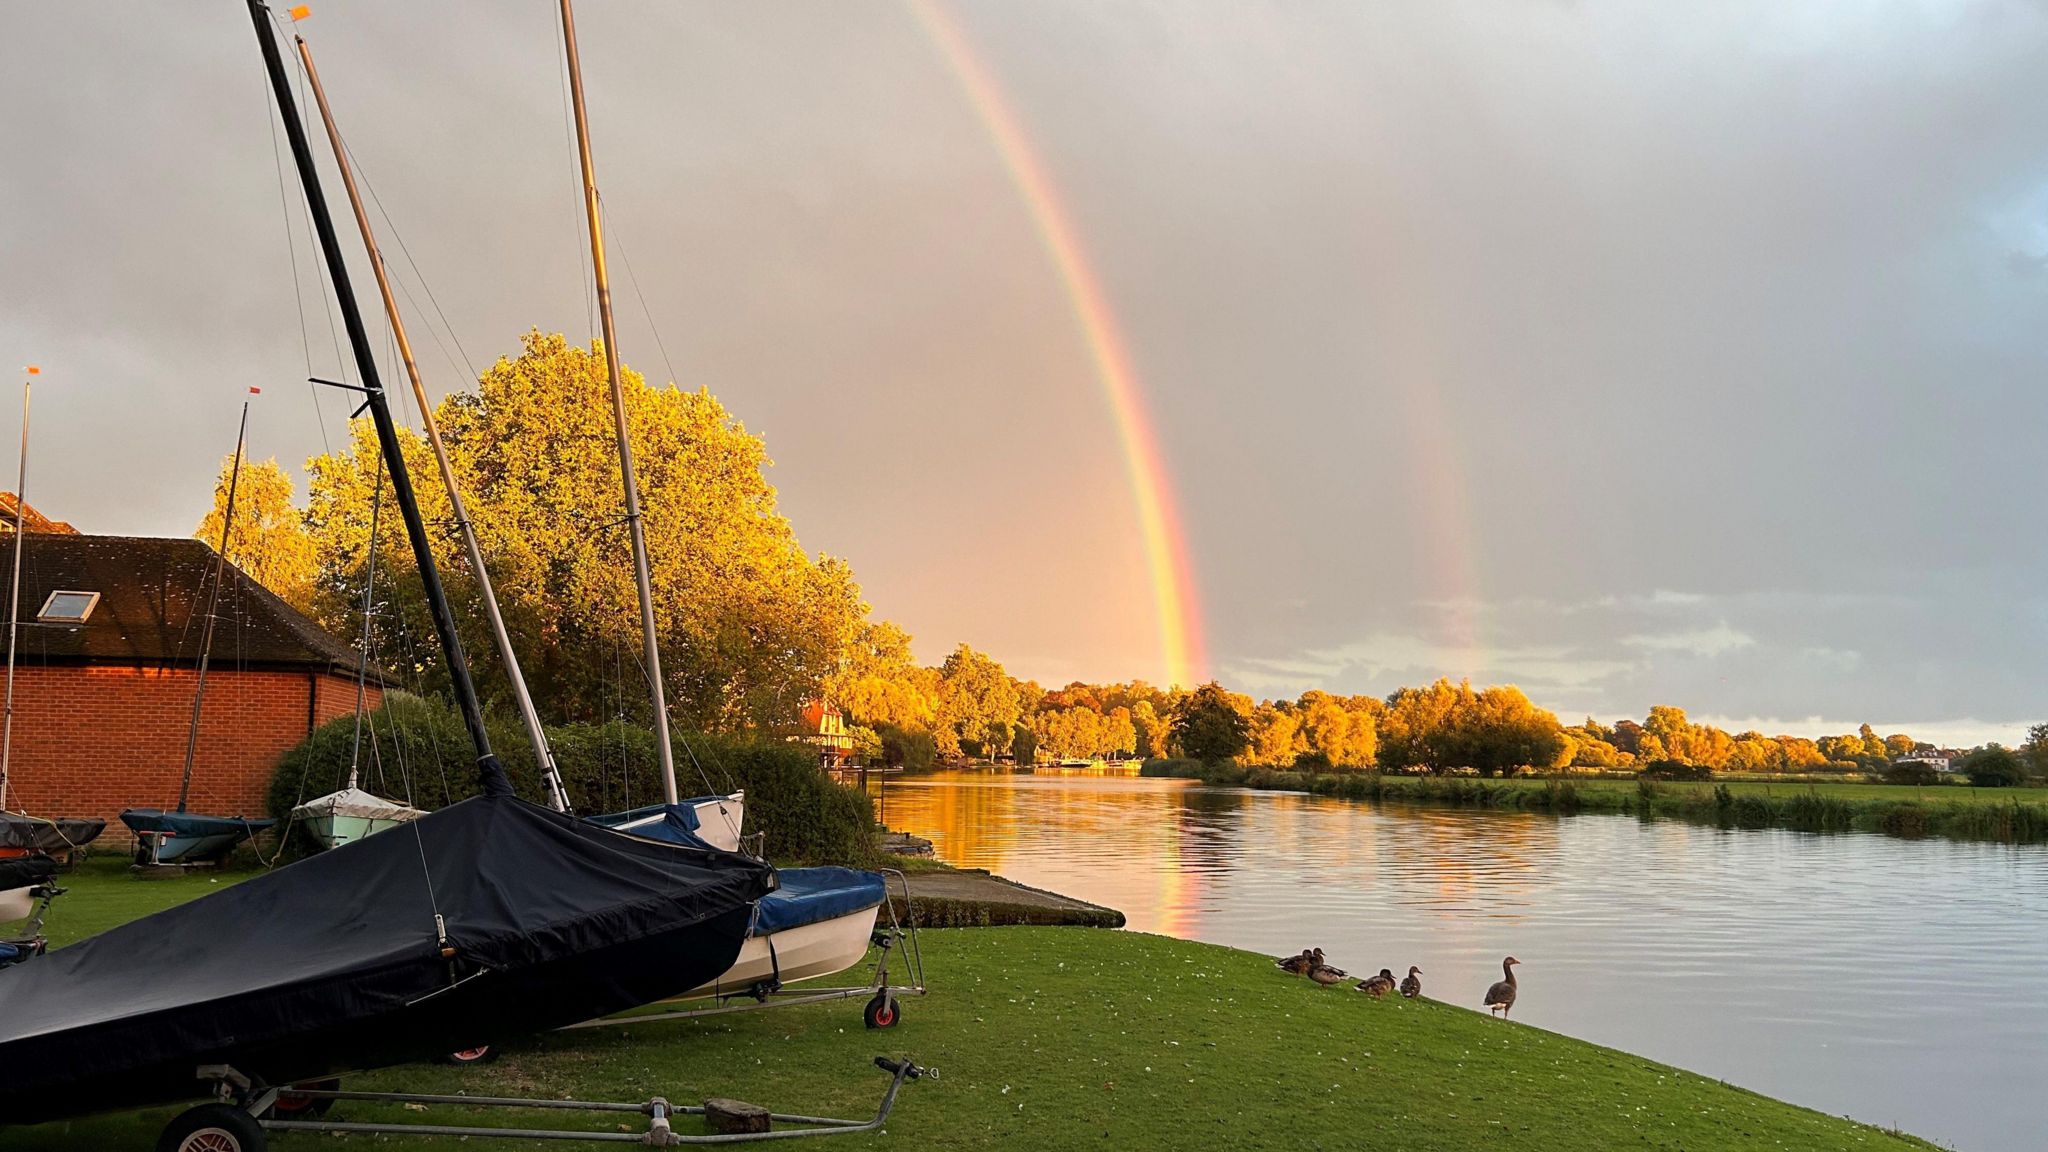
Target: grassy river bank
x=2005, y=815
x=1061, y=1038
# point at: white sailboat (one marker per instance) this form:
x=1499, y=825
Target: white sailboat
x=349, y=813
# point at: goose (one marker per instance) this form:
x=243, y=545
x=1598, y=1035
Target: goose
x=1501, y=996
x=1411, y=986
x=1302, y=964
x=1325, y=975
x=1377, y=986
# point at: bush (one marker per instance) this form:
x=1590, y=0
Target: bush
x=1994, y=767
x=1917, y=772
x=1312, y=763
x=416, y=750
x=1676, y=770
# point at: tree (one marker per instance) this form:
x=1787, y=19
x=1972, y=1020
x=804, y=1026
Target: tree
x=751, y=625
x=1275, y=736
x=1994, y=766
x=977, y=703
x=2035, y=750
x=269, y=542
x=878, y=681
x=1211, y=724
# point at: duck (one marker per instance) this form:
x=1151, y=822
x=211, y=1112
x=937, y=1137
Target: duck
x=1501, y=996
x=1377, y=986
x=1411, y=985
x=1300, y=965
x=1326, y=975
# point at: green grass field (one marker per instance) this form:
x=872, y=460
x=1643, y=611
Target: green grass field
x=1059, y=1038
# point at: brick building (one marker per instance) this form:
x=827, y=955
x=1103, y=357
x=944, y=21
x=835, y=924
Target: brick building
x=107, y=663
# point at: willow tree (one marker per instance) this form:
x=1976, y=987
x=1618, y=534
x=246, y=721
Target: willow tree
x=751, y=625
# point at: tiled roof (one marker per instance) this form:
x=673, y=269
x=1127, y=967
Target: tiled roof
x=152, y=606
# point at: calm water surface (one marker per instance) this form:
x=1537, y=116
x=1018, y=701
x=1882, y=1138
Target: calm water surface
x=1894, y=981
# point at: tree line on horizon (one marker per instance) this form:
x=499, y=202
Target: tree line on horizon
x=753, y=626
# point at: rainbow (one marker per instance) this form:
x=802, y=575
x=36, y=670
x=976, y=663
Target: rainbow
x=1166, y=553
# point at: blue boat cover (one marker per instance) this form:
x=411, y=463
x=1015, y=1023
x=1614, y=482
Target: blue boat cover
x=808, y=895
x=191, y=823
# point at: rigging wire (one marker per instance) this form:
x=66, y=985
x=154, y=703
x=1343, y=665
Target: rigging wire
x=589, y=276
x=618, y=240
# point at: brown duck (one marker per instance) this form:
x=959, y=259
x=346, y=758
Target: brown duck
x=1302, y=964
x=1501, y=996
x=1377, y=986
x=1325, y=975
x=1411, y=985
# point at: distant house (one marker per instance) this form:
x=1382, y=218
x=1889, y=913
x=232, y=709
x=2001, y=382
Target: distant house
x=1940, y=761
x=107, y=664
x=824, y=729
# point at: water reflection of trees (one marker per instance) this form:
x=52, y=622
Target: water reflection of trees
x=1162, y=852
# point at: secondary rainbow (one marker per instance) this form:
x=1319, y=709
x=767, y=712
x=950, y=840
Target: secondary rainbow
x=1166, y=558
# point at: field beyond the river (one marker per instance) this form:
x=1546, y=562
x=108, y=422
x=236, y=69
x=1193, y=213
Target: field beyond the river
x=2005, y=815
x=1057, y=1038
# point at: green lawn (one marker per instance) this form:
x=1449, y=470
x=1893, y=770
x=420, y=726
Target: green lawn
x=1055, y=1038
x=1840, y=790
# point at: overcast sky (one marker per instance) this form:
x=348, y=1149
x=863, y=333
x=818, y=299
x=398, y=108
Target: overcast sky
x=1632, y=353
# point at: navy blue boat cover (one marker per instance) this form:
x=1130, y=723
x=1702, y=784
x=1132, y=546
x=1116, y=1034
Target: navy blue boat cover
x=335, y=962
x=678, y=824
x=191, y=824
x=62, y=835
x=808, y=895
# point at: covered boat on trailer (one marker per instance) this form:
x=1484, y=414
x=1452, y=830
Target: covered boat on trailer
x=816, y=922
x=350, y=814
x=31, y=835
x=187, y=837
x=486, y=920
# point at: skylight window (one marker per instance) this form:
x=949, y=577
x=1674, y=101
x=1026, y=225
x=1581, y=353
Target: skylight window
x=68, y=607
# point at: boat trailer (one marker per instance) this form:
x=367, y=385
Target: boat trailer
x=245, y=1113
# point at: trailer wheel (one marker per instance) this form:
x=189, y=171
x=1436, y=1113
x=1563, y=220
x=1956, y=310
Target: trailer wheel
x=481, y=1054
x=881, y=1012
x=306, y=1107
x=213, y=1128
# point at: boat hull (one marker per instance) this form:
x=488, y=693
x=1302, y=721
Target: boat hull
x=804, y=952
x=334, y=831
x=187, y=837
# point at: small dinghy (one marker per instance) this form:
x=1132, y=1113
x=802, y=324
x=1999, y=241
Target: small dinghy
x=820, y=921
x=29, y=835
x=179, y=837
x=187, y=837
x=712, y=820
x=20, y=877
x=349, y=815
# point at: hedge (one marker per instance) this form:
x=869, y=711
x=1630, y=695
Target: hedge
x=416, y=750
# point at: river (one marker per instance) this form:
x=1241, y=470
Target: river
x=1898, y=982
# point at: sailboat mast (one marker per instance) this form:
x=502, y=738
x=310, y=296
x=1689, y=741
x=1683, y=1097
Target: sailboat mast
x=544, y=756
x=355, y=755
x=489, y=772
x=14, y=594
x=220, y=571
x=634, y=527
